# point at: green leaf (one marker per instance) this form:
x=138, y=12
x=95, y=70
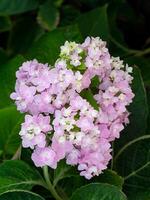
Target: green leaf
x=68, y=14
x=87, y=94
x=63, y=171
x=117, y=45
x=16, y=174
x=12, y=7
x=148, y=121
x=21, y=37
x=133, y=162
x=94, y=23
x=10, y=120
x=143, y=64
x=47, y=48
x=3, y=56
x=110, y=177
x=138, y=112
x=93, y=3
x=138, y=195
x=48, y=15
x=20, y=195
x=8, y=79
x=69, y=184
x=95, y=84
x=5, y=23
x=113, y=9
x=98, y=191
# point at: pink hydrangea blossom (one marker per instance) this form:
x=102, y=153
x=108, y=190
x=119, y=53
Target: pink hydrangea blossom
x=44, y=156
x=34, y=129
x=77, y=131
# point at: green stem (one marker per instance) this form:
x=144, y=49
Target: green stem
x=49, y=184
x=129, y=144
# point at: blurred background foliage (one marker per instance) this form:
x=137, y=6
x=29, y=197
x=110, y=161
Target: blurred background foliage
x=35, y=29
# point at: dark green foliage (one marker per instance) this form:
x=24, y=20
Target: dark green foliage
x=36, y=29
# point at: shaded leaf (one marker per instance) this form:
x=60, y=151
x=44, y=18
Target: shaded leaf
x=87, y=94
x=8, y=79
x=110, y=177
x=20, y=195
x=93, y=3
x=3, y=56
x=10, y=124
x=48, y=15
x=8, y=7
x=138, y=112
x=143, y=64
x=133, y=163
x=117, y=45
x=5, y=23
x=69, y=185
x=16, y=174
x=21, y=37
x=138, y=195
x=98, y=191
x=63, y=171
x=94, y=23
x=68, y=15
x=47, y=48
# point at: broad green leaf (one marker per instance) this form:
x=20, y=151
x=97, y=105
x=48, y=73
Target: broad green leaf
x=47, y=48
x=87, y=94
x=94, y=23
x=143, y=64
x=117, y=45
x=16, y=174
x=113, y=9
x=48, y=15
x=133, y=163
x=138, y=112
x=8, y=7
x=68, y=14
x=70, y=184
x=94, y=86
x=3, y=56
x=5, y=23
x=132, y=158
x=63, y=171
x=7, y=77
x=10, y=120
x=148, y=121
x=110, y=177
x=98, y=191
x=138, y=195
x=93, y=3
x=21, y=37
x=20, y=195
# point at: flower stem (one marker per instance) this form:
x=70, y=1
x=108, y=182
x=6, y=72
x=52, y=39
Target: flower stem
x=49, y=184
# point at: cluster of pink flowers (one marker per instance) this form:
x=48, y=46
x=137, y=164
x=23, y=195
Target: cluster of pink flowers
x=61, y=123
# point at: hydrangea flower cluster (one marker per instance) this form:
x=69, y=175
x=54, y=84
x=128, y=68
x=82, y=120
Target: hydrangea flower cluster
x=60, y=122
